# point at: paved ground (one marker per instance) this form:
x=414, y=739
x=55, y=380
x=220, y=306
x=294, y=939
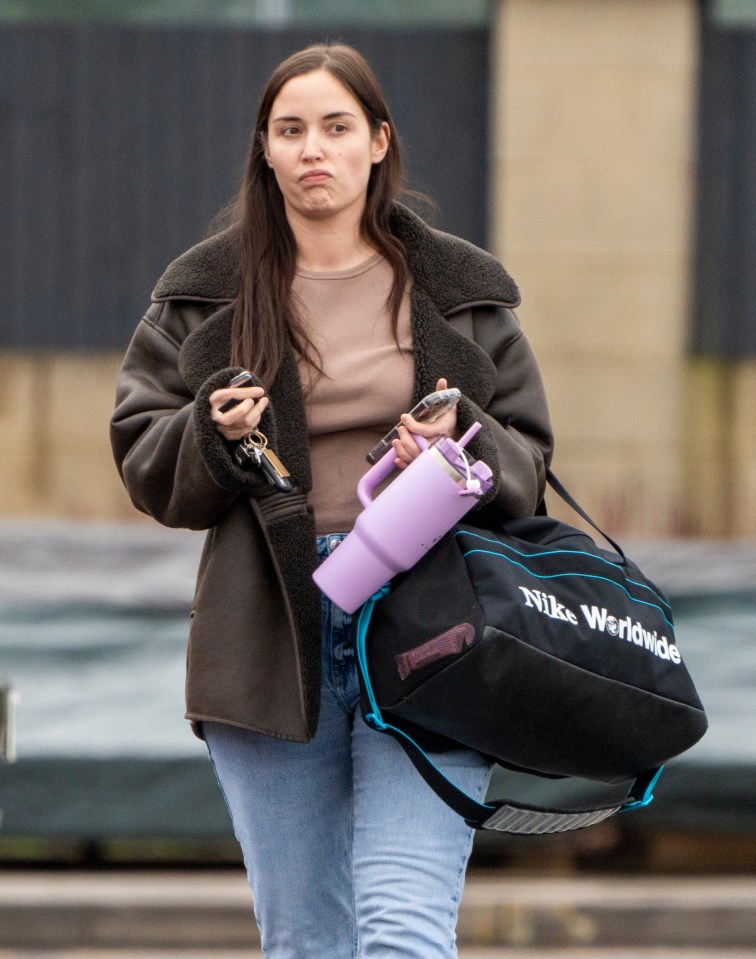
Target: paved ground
x=463, y=954
x=206, y=915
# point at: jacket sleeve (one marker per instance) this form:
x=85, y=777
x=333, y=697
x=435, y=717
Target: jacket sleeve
x=153, y=434
x=516, y=439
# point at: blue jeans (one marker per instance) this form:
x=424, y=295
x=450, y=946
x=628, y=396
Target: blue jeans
x=348, y=852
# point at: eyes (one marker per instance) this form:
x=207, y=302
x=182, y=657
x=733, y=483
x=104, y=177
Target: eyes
x=290, y=131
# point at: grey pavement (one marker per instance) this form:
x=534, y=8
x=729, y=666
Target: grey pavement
x=207, y=915
x=464, y=953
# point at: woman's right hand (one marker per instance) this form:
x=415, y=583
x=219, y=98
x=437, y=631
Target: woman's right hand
x=235, y=423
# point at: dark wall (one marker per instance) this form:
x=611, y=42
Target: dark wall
x=119, y=145
x=724, y=321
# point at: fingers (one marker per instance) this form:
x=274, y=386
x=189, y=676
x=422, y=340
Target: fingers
x=220, y=398
x=445, y=425
x=405, y=448
x=242, y=419
x=235, y=423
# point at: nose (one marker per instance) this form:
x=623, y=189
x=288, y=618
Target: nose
x=312, y=147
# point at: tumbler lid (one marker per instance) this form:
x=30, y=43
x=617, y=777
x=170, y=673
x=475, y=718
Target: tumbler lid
x=475, y=475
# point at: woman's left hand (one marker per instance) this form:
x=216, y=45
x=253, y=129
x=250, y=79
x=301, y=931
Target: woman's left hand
x=406, y=448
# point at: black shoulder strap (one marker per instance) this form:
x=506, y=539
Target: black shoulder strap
x=561, y=491
x=463, y=323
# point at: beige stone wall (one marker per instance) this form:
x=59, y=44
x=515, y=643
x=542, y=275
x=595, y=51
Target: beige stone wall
x=743, y=488
x=592, y=189
x=720, y=455
x=54, y=415
x=592, y=162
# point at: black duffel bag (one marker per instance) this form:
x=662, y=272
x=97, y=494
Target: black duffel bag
x=538, y=649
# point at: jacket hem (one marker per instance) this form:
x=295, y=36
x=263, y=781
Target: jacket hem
x=196, y=720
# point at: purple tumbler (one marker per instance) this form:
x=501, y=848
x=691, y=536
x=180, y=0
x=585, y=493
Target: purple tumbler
x=400, y=525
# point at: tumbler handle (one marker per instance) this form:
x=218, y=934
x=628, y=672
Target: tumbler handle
x=381, y=471
x=385, y=465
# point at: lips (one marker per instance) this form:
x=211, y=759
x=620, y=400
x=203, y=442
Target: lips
x=315, y=176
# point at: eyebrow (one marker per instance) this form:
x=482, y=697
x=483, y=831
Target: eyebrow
x=328, y=116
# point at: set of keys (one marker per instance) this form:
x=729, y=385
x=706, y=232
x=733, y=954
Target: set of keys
x=253, y=453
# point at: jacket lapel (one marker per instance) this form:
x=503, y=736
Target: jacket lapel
x=440, y=350
x=449, y=274
x=285, y=519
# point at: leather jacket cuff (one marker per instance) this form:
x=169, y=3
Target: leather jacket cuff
x=217, y=451
x=482, y=446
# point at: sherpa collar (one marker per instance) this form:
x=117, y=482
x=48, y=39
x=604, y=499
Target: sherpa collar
x=454, y=273
x=449, y=276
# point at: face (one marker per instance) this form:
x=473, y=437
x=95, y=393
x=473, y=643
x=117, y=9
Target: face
x=321, y=149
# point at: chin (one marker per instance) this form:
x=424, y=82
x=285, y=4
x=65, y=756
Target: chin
x=319, y=211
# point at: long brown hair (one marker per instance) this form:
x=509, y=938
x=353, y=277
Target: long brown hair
x=265, y=317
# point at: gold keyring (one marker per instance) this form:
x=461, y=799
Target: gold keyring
x=256, y=439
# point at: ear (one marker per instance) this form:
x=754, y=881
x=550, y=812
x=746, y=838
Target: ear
x=381, y=142
x=264, y=145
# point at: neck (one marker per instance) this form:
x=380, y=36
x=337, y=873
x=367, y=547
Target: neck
x=325, y=246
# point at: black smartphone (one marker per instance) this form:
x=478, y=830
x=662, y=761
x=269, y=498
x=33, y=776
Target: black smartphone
x=426, y=411
x=244, y=378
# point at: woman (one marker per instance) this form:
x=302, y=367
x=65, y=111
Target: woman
x=348, y=309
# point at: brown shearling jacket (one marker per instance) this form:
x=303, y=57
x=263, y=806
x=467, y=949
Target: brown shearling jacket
x=254, y=645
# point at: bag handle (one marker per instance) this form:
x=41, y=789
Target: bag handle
x=463, y=322
x=561, y=491
x=503, y=815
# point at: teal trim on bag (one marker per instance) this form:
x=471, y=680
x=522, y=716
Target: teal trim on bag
x=375, y=720
x=573, y=552
x=360, y=643
x=374, y=717
x=648, y=796
x=604, y=579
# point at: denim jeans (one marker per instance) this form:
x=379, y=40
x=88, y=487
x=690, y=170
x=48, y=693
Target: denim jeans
x=348, y=852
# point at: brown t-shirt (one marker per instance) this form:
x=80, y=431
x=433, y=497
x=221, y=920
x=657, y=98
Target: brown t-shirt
x=367, y=382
